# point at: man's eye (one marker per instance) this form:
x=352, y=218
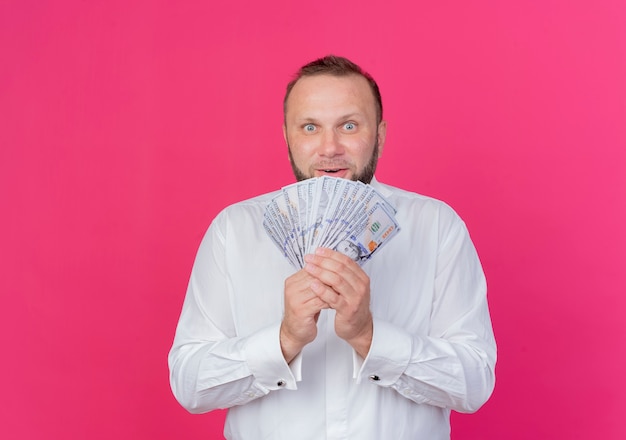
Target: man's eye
x=349, y=126
x=309, y=127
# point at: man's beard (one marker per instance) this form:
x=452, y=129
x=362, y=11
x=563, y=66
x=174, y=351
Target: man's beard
x=365, y=176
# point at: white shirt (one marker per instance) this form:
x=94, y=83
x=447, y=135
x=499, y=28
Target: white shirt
x=433, y=347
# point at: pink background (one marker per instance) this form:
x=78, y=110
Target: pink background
x=125, y=126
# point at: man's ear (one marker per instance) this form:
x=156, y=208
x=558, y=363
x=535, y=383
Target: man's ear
x=286, y=141
x=382, y=135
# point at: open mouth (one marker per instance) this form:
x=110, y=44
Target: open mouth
x=340, y=171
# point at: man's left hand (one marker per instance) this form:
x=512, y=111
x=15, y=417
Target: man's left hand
x=344, y=286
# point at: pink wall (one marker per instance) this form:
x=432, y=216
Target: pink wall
x=126, y=126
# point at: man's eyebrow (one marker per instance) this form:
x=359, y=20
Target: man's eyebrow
x=351, y=115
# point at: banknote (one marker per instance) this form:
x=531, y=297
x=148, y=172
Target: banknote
x=379, y=226
x=350, y=217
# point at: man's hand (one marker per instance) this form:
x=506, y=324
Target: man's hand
x=302, y=309
x=340, y=283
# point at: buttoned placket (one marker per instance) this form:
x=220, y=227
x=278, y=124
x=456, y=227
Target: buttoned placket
x=338, y=376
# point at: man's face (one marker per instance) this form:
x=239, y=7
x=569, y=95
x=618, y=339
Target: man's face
x=330, y=128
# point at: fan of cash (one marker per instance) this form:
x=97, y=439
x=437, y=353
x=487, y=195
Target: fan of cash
x=347, y=216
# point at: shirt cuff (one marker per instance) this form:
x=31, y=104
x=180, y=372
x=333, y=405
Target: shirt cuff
x=388, y=357
x=266, y=361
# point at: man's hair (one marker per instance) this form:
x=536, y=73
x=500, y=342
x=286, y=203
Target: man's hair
x=336, y=66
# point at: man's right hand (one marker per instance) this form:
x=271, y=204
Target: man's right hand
x=302, y=309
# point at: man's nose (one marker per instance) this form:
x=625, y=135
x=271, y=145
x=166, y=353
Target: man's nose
x=330, y=144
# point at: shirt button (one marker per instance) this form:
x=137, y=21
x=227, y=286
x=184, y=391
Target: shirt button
x=280, y=383
x=374, y=378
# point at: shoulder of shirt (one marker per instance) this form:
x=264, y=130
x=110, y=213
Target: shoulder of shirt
x=395, y=194
x=260, y=200
x=252, y=204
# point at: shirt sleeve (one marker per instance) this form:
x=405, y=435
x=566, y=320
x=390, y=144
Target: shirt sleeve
x=453, y=366
x=210, y=365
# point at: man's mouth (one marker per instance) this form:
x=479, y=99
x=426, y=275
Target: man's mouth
x=335, y=172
